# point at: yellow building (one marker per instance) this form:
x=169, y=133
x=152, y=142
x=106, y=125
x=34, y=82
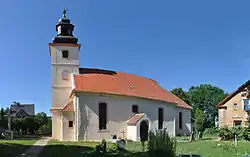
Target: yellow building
x=234, y=109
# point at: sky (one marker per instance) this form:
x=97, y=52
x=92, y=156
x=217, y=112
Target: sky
x=177, y=43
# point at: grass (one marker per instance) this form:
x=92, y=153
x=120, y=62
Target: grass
x=206, y=148
x=10, y=148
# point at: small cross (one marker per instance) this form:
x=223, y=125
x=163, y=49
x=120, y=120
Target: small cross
x=123, y=132
x=64, y=12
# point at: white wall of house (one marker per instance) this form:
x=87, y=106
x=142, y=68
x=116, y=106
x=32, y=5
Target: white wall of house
x=186, y=121
x=68, y=133
x=132, y=132
x=119, y=110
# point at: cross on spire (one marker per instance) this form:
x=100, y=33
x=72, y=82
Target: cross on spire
x=64, y=12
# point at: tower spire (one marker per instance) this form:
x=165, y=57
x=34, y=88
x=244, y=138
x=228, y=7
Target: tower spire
x=64, y=13
x=65, y=30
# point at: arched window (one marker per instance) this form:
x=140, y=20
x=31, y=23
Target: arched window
x=180, y=120
x=102, y=116
x=135, y=109
x=160, y=118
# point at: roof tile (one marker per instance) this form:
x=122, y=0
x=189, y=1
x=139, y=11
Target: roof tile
x=119, y=83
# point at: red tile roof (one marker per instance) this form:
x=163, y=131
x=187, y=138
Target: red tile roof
x=69, y=106
x=231, y=95
x=133, y=120
x=119, y=83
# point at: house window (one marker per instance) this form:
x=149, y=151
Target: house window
x=180, y=120
x=65, y=54
x=246, y=104
x=135, y=109
x=102, y=116
x=160, y=118
x=70, y=124
x=65, y=75
x=235, y=107
x=237, y=123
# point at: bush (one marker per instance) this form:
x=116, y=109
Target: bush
x=246, y=133
x=225, y=133
x=229, y=133
x=161, y=144
x=211, y=131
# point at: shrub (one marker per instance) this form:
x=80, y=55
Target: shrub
x=225, y=133
x=161, y=144
x=211, y=131
x=246, y=133
x=229, y=133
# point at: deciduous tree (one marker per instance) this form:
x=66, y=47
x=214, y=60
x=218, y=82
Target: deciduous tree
x=205, y=97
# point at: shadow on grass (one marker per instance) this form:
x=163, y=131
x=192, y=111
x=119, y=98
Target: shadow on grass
x=9, y=149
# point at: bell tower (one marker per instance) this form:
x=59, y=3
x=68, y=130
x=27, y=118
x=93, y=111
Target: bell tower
x=64, y=52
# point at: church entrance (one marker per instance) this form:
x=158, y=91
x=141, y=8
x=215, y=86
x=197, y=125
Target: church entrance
x=144, y=130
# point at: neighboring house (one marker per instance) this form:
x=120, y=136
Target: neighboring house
x=92, y=104
x=22, y=110
x=234, y=109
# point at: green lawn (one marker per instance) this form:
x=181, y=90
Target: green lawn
x=206, y=148
x=10, y=148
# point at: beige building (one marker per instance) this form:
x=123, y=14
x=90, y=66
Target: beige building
x=234, y=109
x=92, y=104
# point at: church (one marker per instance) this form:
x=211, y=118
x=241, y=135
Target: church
x=93, y=104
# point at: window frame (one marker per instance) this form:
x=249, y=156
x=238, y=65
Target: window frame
x=100, y=127
x=71, y=124
x=160, y=118
x=65, y=55
x=180, y=120
x=135, y=107
x=235, y=106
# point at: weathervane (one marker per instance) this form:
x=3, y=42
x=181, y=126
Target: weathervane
x=64, y=12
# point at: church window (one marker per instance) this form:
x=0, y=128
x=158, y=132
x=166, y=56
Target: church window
x=70, y=124
x=65, y=54
x=160, y=118
x=65, y=75
x=180, y=120
x=135, y=109
x=102, y=116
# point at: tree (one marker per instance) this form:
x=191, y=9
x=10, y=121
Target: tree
x=42, y=118
x=205, y=97
x=179, y=92
x=199, y=121
x=2, y=114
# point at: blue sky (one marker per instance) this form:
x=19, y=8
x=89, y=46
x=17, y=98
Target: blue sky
x=176, y=43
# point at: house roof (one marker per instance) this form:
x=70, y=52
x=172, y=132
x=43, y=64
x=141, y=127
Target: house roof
x=133, y=120
x=231, y=95
x=119, y=83
x=28, y=108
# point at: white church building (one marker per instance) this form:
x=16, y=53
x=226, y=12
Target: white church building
x=95, y=104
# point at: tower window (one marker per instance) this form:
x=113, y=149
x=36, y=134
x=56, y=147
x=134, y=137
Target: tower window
x=102, y=116
x=160, y=118
x=70, y=124
x=65, y=54
x=135, y=109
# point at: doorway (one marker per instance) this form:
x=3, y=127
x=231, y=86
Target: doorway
x=144, y=130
